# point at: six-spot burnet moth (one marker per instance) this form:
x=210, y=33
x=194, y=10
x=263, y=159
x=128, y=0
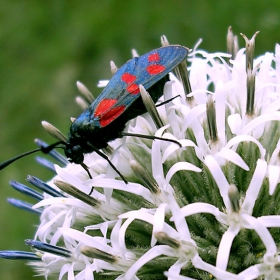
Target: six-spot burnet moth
x=118, y=103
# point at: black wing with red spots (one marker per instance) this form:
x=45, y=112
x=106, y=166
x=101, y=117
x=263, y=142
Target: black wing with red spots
x=123, y=89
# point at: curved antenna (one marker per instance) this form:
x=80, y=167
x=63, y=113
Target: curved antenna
x=49, y=148
x=45, y=150
x=11, y=160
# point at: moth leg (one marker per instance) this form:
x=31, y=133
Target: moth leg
x=167, y=101
x=151, y=137
x=86, y=169
x=108, y=160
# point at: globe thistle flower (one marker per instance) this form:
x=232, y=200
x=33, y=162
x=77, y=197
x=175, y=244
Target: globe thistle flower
x=201, y=198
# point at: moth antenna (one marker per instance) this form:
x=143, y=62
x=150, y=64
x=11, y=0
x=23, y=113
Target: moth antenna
x=85, y=92
x=49, y=148
x=11, y=160
x=45, y=150
x=54, y=132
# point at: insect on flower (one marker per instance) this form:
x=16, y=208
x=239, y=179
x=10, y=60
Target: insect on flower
x=118, y=103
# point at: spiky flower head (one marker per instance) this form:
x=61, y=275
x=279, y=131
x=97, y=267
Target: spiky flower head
x=200, y=203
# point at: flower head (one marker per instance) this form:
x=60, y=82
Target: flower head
x=200, y=196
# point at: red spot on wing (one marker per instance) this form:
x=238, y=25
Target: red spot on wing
x=155, y=69
x=128, y=78
x=133, y=89
x=111, y=115
x=153, y=57
x=103, y=106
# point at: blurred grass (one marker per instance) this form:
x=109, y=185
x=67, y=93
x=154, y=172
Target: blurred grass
x=46, y=46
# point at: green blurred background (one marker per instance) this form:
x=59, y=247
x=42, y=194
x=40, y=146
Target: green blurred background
x=46, y=46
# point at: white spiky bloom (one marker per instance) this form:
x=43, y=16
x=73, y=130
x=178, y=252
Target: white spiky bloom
x=207, y=209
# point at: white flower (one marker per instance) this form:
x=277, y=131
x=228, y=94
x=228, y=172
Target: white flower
x=200, y=203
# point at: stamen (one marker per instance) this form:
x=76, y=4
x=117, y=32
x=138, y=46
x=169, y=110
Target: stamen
x=97, y=254
x=24, y=206
x=164, y=41
x=250, y=47
x=53, y=131
x=211, y=119
x=233, y=195
x=163, y=238
x=43, y=186
x=134, y=53
x=48, y=248
x=144, y=177
x=235, y=46
x=183, y=74
x=150, y=107
x=19, y=255
x=250, y=104
x=26, y=190
x=77, y=193
x=232, y=44
x=114, y=67
x=46, y=163
x=181, y=71
x=81, y=102
x=85, y=92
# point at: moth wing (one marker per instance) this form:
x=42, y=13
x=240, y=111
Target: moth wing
x=123, y=89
